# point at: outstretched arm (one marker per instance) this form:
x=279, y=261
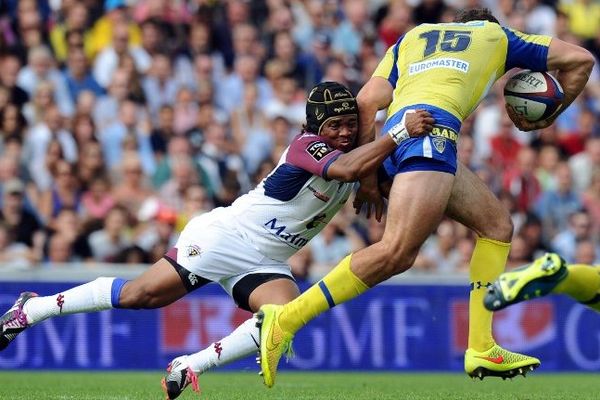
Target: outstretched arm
x=364, y=160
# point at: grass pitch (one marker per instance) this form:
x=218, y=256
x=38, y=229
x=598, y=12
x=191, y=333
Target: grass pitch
x=292, y=385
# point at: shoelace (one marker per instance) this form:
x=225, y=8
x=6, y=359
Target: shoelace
x=17, y=316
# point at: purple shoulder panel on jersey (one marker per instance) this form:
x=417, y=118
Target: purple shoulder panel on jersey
x=312, y=153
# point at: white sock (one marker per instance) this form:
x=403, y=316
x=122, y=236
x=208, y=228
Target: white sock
x=91, y=296
x=242, y=342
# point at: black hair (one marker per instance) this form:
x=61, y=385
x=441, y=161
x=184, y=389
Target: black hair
x=475, y=14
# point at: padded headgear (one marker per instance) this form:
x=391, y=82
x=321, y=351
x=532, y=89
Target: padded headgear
x=328, y=100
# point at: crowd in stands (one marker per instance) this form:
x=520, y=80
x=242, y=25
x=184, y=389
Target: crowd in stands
x=122, y=119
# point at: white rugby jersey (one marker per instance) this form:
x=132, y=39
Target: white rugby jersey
x=294, y=202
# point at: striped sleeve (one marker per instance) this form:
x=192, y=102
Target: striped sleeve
x=526, y=51
x=312, y=154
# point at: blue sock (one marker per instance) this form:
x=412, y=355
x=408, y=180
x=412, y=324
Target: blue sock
x=115, y=291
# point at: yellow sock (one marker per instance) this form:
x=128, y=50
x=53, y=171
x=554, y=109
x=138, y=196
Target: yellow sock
x=338, y=286
x=583, y=284
x=487, y=263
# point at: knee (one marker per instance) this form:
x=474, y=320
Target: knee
x=397, y=258
x=137, y=296
x=500, y=228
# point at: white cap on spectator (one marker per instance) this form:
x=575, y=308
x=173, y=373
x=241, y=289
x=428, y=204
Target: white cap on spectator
x=13, y=186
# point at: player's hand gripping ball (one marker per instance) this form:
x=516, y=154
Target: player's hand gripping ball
x=535, y=96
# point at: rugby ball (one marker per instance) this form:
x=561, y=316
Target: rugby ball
x=534, y=95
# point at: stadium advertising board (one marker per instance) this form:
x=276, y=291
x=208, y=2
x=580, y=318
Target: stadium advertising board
x=392, y=327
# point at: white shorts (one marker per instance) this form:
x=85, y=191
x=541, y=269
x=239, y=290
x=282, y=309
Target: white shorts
x=211, y=248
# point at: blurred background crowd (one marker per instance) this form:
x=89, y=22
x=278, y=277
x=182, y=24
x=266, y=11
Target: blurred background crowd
x=122, y=119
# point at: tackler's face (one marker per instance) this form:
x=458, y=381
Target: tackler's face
x=341, y=131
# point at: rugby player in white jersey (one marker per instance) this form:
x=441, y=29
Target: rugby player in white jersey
x=243, y=247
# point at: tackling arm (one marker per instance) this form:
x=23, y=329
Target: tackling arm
x=364, y=160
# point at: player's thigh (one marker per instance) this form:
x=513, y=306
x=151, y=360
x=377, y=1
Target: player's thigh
x=417, y=202
x=277, y=291
x=158, y=286
x=474, y=205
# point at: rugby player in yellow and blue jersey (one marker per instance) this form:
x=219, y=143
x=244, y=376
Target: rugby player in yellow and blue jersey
x=445, y=69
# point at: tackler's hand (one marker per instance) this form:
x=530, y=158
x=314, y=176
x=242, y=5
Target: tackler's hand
x=368, y=194
x=418, y=122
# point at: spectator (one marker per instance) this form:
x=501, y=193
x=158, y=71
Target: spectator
x=42, y=171
x=42, y=134
x=183, y=175
x=521, y=182
x=548, y=162
x=314, y=20
x=504, y=145
x=10, y=66
x=160, y=87
x=132, y=191
x=590, y=199
x=97, y=201
x=216, y=160
x=586, y=253
x=198, y=60
x=439, y=253
x=540, y=19
x=347, y=36
x=236, y=12
x=78, y=76
x=579, y=230
x=531, y=232
x=249, y=128
x=107, y=60
x=554, y=206
x=113, y=138
x=583, y=17
x=40, y=68
x=286, y=103
x=64, y=192
x=185, y=110
x=69, y=227
x=60, y=250
x=583, y=164
x=231, y=91
x=34, y=110
x=13, y=254
x=23, y=225
x=115, y=17
x=159, y=236
x=107, y=243
x=163, y=132
x=76, y=19
x=520, y=253
x=12, y=122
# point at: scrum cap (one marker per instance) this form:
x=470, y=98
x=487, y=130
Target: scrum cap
x=328, y=100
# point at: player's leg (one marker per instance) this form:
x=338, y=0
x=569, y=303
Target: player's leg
x=548, y=274
x=475, y=206
x=158, y=286
x=417, y=203
x=250, y=293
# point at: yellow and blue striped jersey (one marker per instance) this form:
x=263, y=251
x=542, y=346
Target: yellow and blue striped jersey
x=452, y=66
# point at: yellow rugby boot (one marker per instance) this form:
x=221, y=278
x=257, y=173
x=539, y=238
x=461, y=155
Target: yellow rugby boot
x=498, y=362
x=534, y=280
x=274, y=342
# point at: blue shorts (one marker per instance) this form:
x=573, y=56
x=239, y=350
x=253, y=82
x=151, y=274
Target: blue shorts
x=433, y=152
